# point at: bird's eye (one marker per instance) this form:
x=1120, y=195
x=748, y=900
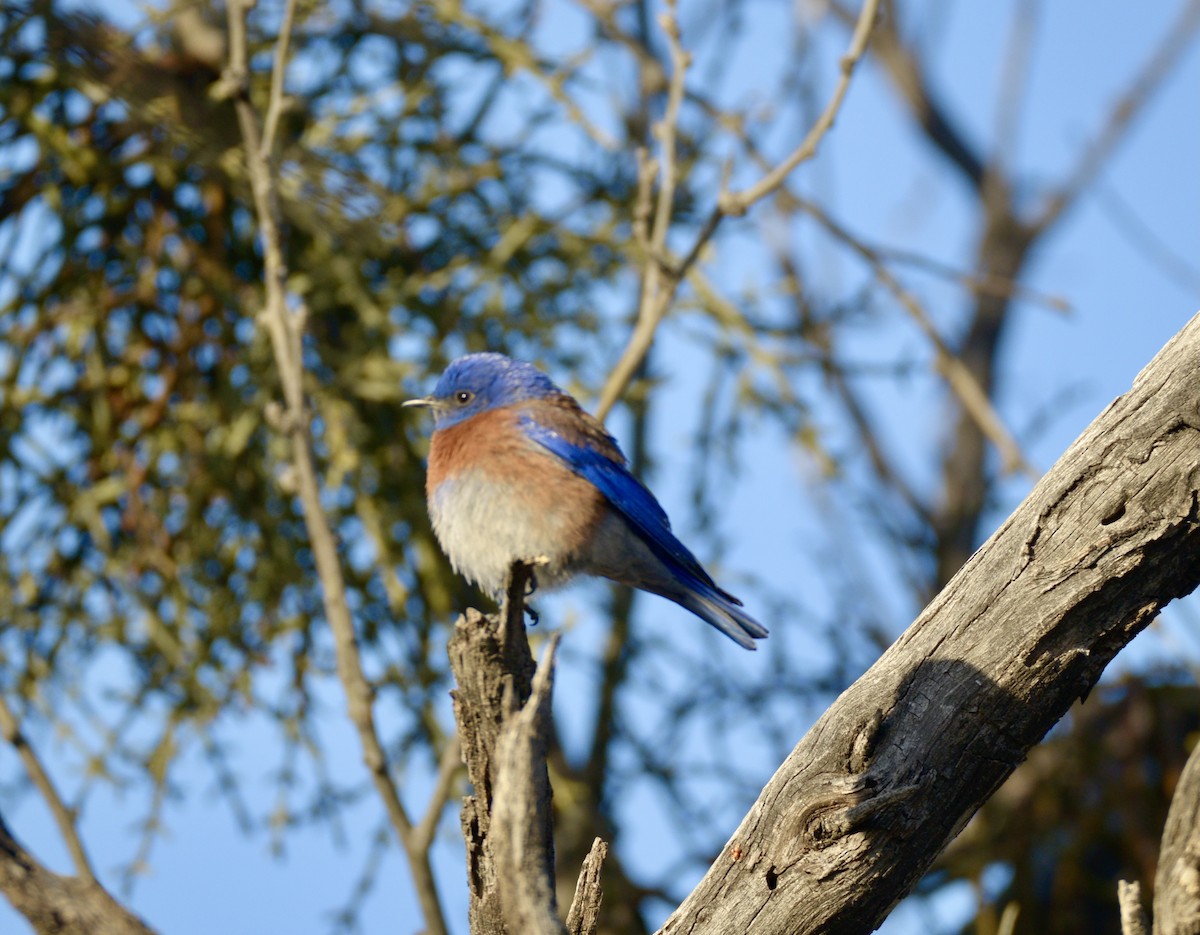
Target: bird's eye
x=462, y=397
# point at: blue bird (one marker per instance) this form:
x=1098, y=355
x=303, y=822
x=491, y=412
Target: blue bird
x=519, y=472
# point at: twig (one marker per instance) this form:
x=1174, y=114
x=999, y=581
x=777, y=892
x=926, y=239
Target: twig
x=656, y=294
x=960, y=379
x=278, y=72
x=64, y=816
x=1013, y=82
x=979, y=283
x=1130, y=104
x=286, y=333
x=905, y=70
x=662, y=279
x=736, y=203
x=449, y=767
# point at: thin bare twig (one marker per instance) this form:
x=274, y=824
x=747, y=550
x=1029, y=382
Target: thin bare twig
x=656, y=294
x=1178, y=39
x=286, y=329
x=736, y=203
x=958, y=377
x=980, y=283
x=278, y=71
x=662, y=278
x=448, y=769
x=1013, y=83
x=64, y=816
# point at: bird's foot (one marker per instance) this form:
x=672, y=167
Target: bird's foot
x=536, y=562
x=534, y=616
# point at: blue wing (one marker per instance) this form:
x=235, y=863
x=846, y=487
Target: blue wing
x=626, y=493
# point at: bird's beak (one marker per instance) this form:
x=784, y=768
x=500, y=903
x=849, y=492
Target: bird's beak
x=421, y=401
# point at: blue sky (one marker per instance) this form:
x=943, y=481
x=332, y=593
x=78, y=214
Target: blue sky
x=878, y=177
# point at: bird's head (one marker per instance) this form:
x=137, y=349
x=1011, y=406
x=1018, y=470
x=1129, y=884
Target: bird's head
x=479, y=382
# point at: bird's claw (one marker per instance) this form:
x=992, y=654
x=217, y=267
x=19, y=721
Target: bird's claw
x=534, y=616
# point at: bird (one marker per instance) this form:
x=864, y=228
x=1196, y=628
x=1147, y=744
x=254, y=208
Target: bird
x=518, y=471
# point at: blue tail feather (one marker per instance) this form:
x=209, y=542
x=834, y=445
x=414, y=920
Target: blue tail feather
x=724, y=614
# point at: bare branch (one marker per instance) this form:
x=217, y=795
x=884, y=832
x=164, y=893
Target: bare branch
x=1130, y=104
x=64, y=817
x=1016, y=72
x=981, y=283
x=895, y=767
x=905, y=69
x=736, y=204
x=657, y=289
x=448, y=769
x=662, y=279
x=278, y=71
x=960, y=379
x=584, y=915
x=57, y=904
x=524, y=853
x=285, y=329
x=493, y=671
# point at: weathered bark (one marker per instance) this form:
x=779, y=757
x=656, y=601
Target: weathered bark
x=584, y=917
x=521, y=818
x=898, y=764
x=493, y=669
x=1133, y=913
x=58, y=905
x=1177, y=882
x=502, y=707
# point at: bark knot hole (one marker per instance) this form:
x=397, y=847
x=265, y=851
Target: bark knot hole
x=1113, y=515
x=772, y=878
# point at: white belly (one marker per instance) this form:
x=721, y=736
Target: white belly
x=484, y=527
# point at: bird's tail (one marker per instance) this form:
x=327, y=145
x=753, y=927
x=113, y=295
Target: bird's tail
x=724, y=612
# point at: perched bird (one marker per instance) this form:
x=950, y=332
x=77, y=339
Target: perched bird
x=518, y=471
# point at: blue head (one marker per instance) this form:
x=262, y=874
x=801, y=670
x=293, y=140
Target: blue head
x=479, y=382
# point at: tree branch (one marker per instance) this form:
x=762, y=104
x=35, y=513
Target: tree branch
x=523, y=844
x=1177, y=882
x=58, y=905
x=898, y=764
x=962, y=382
x=502, y=708
x=662, y=278
x=286, y=331
x=493, y=671
x=584, y=915
x=1178, y=39
x=64, y=817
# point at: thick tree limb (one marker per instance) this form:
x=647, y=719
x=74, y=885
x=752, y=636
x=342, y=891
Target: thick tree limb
x=58, y=905
x=1177, y=882
x=493, y=669
x=898, y=764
